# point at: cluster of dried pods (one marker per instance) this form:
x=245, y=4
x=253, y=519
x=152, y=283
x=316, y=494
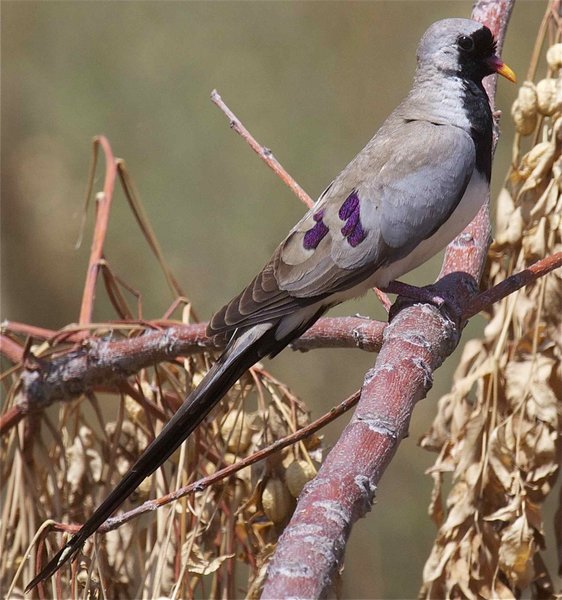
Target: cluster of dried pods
x=498, y=432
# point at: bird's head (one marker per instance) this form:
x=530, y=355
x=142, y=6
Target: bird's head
x=461, y=47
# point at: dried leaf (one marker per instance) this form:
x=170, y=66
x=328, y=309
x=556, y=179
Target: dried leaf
x=516, y=550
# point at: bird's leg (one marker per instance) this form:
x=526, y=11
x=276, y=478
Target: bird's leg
x=413, y=292
x=425, y=294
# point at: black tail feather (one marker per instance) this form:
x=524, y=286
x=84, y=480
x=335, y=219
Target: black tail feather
x=240, y=355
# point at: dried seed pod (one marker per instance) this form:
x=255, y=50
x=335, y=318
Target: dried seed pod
x=527, y=99
x=196, y=379
x=505, y=208
x=82, y=578
x=239, y=493
x=512, y=227
x=229, y=458
x=276, y=501
x=539, y=155
x=145, y=487
x=549, y=96
x=236, y=431
x=85, y=574
x=525, y=125
x=514, y=232
x=298, y=474
x=554, y=56
x=135, y=411
x=535, y=243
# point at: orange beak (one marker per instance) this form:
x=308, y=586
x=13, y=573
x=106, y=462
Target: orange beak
x=498, y=66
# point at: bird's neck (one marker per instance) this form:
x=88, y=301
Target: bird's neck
x=449, y=99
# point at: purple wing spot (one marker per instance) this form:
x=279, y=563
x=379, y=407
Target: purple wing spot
x=349, y=212
x=315, y=235
x=350, y=206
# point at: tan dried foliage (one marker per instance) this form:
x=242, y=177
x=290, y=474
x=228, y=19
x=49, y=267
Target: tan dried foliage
x=498, y=430
x=208, y=543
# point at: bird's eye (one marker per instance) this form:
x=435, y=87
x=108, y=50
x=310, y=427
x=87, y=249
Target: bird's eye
x=465, y=43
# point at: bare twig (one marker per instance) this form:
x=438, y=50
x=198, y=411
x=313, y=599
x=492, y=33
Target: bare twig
x=11, y=418
x=264, y=153
x=511, y=284
x=384, y=299
x=103, y=207
x=74, y=334
x=143, y=222
x=10, y=349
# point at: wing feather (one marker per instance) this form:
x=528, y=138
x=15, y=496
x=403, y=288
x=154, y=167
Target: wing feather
x=408, y=180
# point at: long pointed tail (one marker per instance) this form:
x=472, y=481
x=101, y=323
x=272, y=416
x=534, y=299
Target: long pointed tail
x=239, y=356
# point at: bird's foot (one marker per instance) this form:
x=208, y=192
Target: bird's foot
x=428, y=294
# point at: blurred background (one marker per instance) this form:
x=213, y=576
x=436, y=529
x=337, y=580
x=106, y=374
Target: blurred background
x=312, y=81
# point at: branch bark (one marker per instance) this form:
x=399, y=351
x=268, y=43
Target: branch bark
x=106, y=361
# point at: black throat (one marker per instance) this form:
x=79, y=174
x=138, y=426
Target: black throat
x=479, y=115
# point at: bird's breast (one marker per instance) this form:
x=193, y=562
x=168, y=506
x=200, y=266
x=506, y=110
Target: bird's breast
x=474, y=196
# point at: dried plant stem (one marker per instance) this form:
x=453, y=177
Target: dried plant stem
x=264, y=153
x=11, y=350
x=103, y=209
x=11, y=418
x=539, y=41
x=144, y=224
x=205, y=482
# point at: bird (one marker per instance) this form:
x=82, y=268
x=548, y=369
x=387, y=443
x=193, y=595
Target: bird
x=410, y=191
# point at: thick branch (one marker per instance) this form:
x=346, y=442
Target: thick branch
x=311, y=548
x=108, y=361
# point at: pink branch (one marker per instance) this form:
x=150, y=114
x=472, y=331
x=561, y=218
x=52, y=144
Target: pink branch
x=105, y=362
x=312, y=547
x=104, y=201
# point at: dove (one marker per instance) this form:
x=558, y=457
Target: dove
x=411, y=190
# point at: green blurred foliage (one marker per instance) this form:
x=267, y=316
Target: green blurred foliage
x=310, y=80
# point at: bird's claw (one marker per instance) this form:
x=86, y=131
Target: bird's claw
x=409, y=294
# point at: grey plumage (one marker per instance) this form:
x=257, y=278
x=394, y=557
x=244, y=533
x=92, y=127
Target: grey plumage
x=410, y=179
x=412, y=189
